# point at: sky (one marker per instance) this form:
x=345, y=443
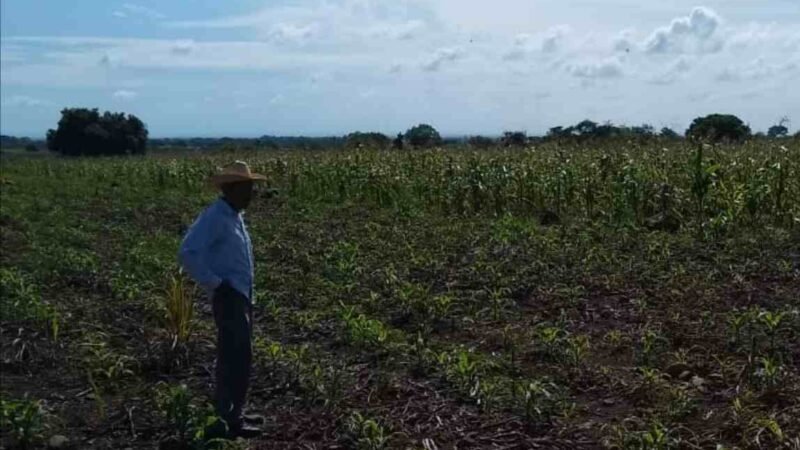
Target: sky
x=328, y=67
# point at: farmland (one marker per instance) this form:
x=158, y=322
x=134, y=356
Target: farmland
x=618, y=295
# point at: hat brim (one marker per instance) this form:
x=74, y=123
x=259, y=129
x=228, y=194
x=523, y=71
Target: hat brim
x=226, y=178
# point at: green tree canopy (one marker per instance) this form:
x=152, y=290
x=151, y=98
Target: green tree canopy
x=718, y=127
x=423, y=135
x=83, y=131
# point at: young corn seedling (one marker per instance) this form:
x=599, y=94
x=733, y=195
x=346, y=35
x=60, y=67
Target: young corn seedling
x=539, y=401
x=771, y=323
x=511, y=342
x=614, y=338
x=550, y=339
x=421, y=355
x=365, y=433
x=191, y=424
x=364, y=332
x=464, y=370
x=770, y=374
x=651, y=345
x=680, y=405
x=326, y=384
x=498, y=299
x=441, y=307
x=577, y=349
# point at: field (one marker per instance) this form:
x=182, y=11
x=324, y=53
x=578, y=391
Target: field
x=621, y=295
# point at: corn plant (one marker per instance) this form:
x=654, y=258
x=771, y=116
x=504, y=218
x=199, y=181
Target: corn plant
x=551, y=341
x=21, y=301
x=654, y=436
x=364, y=433
x=539, y=401
x=651, y=344
x=577, y=348
x=421, y=355
x=192, y=425
x=104, y=364
x=463, y=369
x=680, y=405
x=771, y=323
x=361, y=331
x=769, y=374
x=498, y=299
x=326, y=384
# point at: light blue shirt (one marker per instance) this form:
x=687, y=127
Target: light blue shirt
x=217, y=247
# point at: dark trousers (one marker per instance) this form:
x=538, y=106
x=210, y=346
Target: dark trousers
x=234, y=316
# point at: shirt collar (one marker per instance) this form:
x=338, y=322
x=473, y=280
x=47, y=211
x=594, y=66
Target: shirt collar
x=227, y=207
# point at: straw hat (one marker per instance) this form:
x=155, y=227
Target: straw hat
x=238, y=171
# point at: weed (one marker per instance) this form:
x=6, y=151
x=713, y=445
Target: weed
x=23, y=420
x=179, y=308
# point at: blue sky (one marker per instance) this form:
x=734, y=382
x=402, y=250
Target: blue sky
x=248, y=68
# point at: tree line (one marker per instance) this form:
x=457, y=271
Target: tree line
x=87, y=132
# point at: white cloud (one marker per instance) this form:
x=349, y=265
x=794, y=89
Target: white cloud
x=401, y=31
x=623, y=42
x=327, y=22
x=756, y=35
x=522, y=47
x=525, y=45
x=134, y=10
x=756, y=70
x=674, y=72
x=442, y=56
x=608, y=68
x=553, y=38
x=323, y=53
x=693, y=33
x=287, y=32
x=277, y=99
x=26, y=102
x=182, y=47
x=123, y=94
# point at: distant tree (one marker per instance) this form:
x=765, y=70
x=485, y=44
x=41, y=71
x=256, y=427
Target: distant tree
x=607, y=130
x=669, y=133
x=718, y=127
x=586, y=128
x=84, y=131
x=397, y=143
x=780, y=130
x=423, y=135
x=31, y=148
x=480, y=142
x=555, y=132
x=777, y=131
x=514, y=139
x=643, y=130
x=366, y=140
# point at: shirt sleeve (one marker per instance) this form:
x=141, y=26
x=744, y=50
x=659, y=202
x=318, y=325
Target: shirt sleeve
x=194, y=252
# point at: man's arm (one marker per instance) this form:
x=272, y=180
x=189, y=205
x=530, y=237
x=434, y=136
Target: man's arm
x=193, y=254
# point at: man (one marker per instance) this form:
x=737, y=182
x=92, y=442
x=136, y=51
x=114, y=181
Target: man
x=218, y=255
